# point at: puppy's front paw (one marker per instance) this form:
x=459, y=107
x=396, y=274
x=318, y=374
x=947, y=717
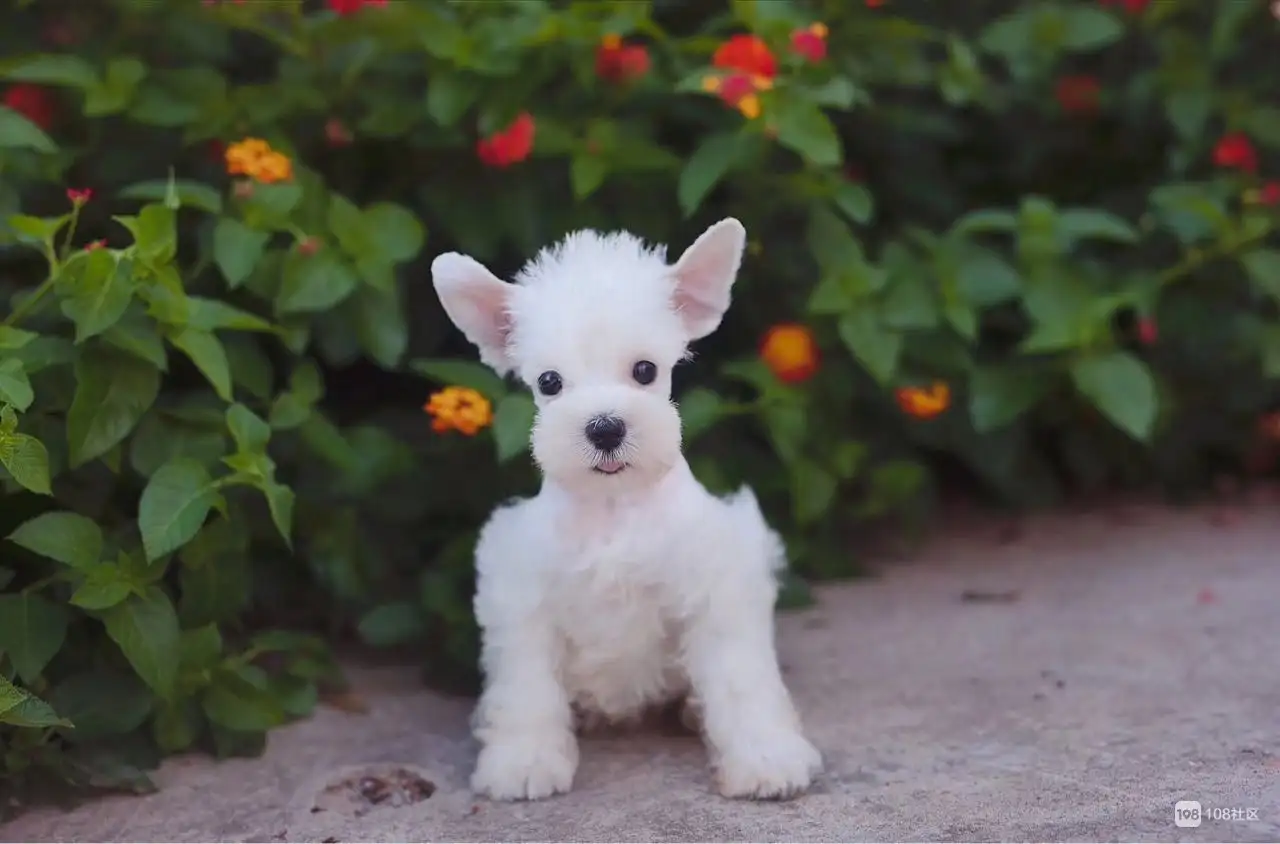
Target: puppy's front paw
x=526, y=767
x=776, y=767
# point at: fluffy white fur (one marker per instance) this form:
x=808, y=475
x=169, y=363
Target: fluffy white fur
x=606, y=594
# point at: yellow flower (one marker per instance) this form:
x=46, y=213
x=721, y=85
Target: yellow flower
x=460, y=409
x=254, y=157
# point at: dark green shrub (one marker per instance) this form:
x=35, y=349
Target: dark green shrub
x=1027, y=242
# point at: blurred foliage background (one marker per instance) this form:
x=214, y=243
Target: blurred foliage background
x=1019, y=248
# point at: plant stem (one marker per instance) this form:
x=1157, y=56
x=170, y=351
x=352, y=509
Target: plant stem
x=1198, y=259
x=29, y=304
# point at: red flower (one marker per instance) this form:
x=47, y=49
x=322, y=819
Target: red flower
x=337, y=133
x=79, y=196
x=1078, y=94
x=309, y=245
x=1235, y=151
x=350, y=7
x=1269, y=194
x=747, y=53
x=33, y=103
x=1147, y=331
x=509, y=146
x=95, y=244
x=810, y=42
x=618, y=62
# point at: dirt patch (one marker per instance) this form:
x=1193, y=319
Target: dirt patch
x=358, y=794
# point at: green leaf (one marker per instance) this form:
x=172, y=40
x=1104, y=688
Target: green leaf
x=512, y=424
x=713, y=158
x=213, y=314
x=803, y=127
x=854, y=201
x=137, y=334
x=247, y=429
x=216, y=590
x=237, y=704
x=174, y=505
x=1263, y=268
x=32, y=630
x=113, y=391
x=20, y=708
x=237, y=249
x=380, y=325
x=61, y=69
x=997, y=397
x=177, y=726
x=145, y=627
x=813, y=489
x=156, y=232
x=1076, y=224
x=27, y=461
x=17, y=132
x=101, y=702
x=15, y=338
x=15, y=387
x=984, y=278
x=103, y=587
x=449, y=95
x=1263, y=122
x=116, y=90
x=837, y=92
x=586, y=174
x=1089, y=28
x=280, y=501
x=875, y=347
x=392, y=624
x=315, y=282
x=68, y=538
x=96, y=291
x=1121, y=388
x=396, y=233
x=700, y=409
x=189, y=194
x=462, y=373
x=207, y=353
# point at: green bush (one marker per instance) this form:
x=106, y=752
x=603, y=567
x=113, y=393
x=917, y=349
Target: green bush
x=1029, y=244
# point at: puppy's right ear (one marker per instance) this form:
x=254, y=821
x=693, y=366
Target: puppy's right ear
x=477, y=302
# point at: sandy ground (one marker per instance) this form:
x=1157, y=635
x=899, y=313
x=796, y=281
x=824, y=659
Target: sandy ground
x=1071, y=683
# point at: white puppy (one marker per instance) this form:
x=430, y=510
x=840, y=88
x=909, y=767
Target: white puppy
x=623, y=583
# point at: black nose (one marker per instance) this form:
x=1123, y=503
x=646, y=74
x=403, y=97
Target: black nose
x=606, y=432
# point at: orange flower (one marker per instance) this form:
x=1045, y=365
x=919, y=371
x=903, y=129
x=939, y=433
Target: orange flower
x=1235, y=151
x=254, y=157
x=94, y=244
x=748, y=54
x=738, y=91
x=924, y=403
x=810, y=42
x=79, y=196
x=460, y=409
x=618, y=62
x=790, y=352
x=509, y=146
x=1078, y=94
x=32, y=102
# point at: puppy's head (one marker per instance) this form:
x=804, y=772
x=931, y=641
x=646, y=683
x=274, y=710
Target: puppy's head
x=594, y=325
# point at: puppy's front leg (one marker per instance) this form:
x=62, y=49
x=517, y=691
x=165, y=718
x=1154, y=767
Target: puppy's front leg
x=523, y=722
x=758, y=750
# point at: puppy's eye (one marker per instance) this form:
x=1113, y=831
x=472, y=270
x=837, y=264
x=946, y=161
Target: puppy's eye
x=645, y=372
x=550, y=383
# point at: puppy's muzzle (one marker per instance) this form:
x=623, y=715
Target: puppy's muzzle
x=606, y=433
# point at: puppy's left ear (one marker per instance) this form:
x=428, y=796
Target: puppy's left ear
x=705, y=273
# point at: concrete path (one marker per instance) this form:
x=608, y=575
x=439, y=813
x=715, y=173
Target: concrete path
x=1070, y=684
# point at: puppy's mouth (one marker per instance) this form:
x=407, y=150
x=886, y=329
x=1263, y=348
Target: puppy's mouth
x=609, y=467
